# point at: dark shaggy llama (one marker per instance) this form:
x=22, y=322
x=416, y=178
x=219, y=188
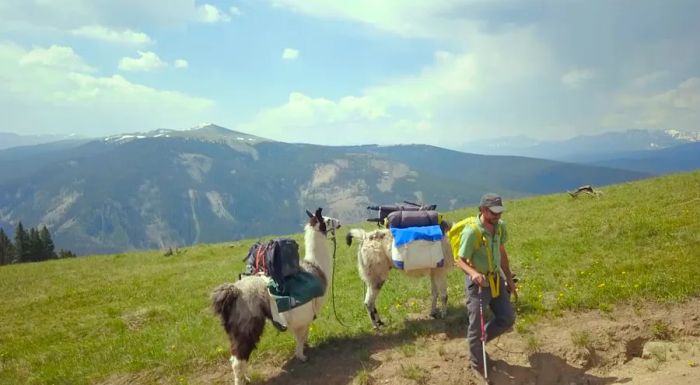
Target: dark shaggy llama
x=245, y=305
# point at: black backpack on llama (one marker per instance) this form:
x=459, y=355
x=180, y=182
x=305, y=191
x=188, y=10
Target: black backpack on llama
x=278, y=259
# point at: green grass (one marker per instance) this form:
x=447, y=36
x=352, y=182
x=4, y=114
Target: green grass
x=582, y=340
x=660, y=330
x=363, y=377
x=415, y=373
x=146, y=317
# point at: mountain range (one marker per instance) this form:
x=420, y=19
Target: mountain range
x=683, y=157
x=590, y=149
x=9, y=140
x=168, y=188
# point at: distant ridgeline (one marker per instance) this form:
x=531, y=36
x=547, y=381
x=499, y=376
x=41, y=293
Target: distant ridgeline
x=168, y=189
x=29, y=246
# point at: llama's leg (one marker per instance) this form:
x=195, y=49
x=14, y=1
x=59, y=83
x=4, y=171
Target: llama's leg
x=442, y=291
x=370, y=299
x=300, y=335
x=438, y=283
x=239, y=369
x=243, y=341
x=433, y=296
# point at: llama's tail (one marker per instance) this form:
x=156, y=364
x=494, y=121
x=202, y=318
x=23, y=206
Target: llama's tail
x=223, y=298
x=354, y=233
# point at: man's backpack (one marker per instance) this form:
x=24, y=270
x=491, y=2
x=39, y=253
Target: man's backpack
x=455, y=234
x=278, y=259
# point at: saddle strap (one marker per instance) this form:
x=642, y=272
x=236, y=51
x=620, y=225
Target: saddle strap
x=260, y=262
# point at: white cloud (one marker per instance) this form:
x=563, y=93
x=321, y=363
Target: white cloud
x=577, y=77
x=125, y=36
x=648, y=79
x=677, y=108
x=507, y=67
x=528, y=93
x=57, y=57
x=686, y=96
x=455, y=97
x=147, y=61
x=119, y=16
x=181, y=63
x=420, y=18
x=85, y=102
x=290, y=54
x=208, y=13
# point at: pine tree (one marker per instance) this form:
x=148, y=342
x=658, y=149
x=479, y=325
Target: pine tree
x=66, y=254
x=48, y=248
x=7, y=249
x=35, y=246
x=21, y=244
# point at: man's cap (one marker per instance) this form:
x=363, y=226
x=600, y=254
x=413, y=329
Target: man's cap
x=493, y=202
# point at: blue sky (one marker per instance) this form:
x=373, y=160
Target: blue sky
x=441, y=72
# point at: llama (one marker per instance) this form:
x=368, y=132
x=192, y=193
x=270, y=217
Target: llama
x=244, y=305
x=374, y=262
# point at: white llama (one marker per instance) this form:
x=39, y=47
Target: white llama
x=374, y=263
x=244, y=305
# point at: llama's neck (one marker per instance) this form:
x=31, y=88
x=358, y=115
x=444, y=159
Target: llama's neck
x=317, y=250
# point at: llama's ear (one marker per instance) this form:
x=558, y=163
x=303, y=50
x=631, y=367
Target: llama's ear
x=321, y=221
x=309, y=214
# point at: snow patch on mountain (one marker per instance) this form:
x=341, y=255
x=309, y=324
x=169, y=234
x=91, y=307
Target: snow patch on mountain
x=683, y=135
x=205, y=132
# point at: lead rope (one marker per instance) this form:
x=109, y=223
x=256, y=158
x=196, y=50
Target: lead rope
x=335, y=313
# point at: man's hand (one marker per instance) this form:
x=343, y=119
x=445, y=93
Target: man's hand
x=477, y=278
x=510, y=285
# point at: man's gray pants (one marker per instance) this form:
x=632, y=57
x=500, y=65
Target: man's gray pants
x=503, y=319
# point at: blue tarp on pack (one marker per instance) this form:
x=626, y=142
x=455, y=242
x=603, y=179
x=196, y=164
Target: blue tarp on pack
x=410, y=234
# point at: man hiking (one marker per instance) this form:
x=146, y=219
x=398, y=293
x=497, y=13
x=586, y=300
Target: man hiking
x=489, y=281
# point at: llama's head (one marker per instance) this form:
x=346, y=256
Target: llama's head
x=322, y=224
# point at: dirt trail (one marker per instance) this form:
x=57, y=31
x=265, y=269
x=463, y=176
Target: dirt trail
x=577, y=348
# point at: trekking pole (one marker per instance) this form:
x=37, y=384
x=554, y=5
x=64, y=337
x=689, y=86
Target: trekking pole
x=483, y=335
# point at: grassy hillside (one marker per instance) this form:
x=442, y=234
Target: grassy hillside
x=145, y=318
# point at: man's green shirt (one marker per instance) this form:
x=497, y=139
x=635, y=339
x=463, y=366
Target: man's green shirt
x=479, y=257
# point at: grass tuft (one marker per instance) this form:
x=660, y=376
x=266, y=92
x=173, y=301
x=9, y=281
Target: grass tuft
x=582, y=339
x=661, y=330
x=363, y=377
x=415, y=373
x=408, y=349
